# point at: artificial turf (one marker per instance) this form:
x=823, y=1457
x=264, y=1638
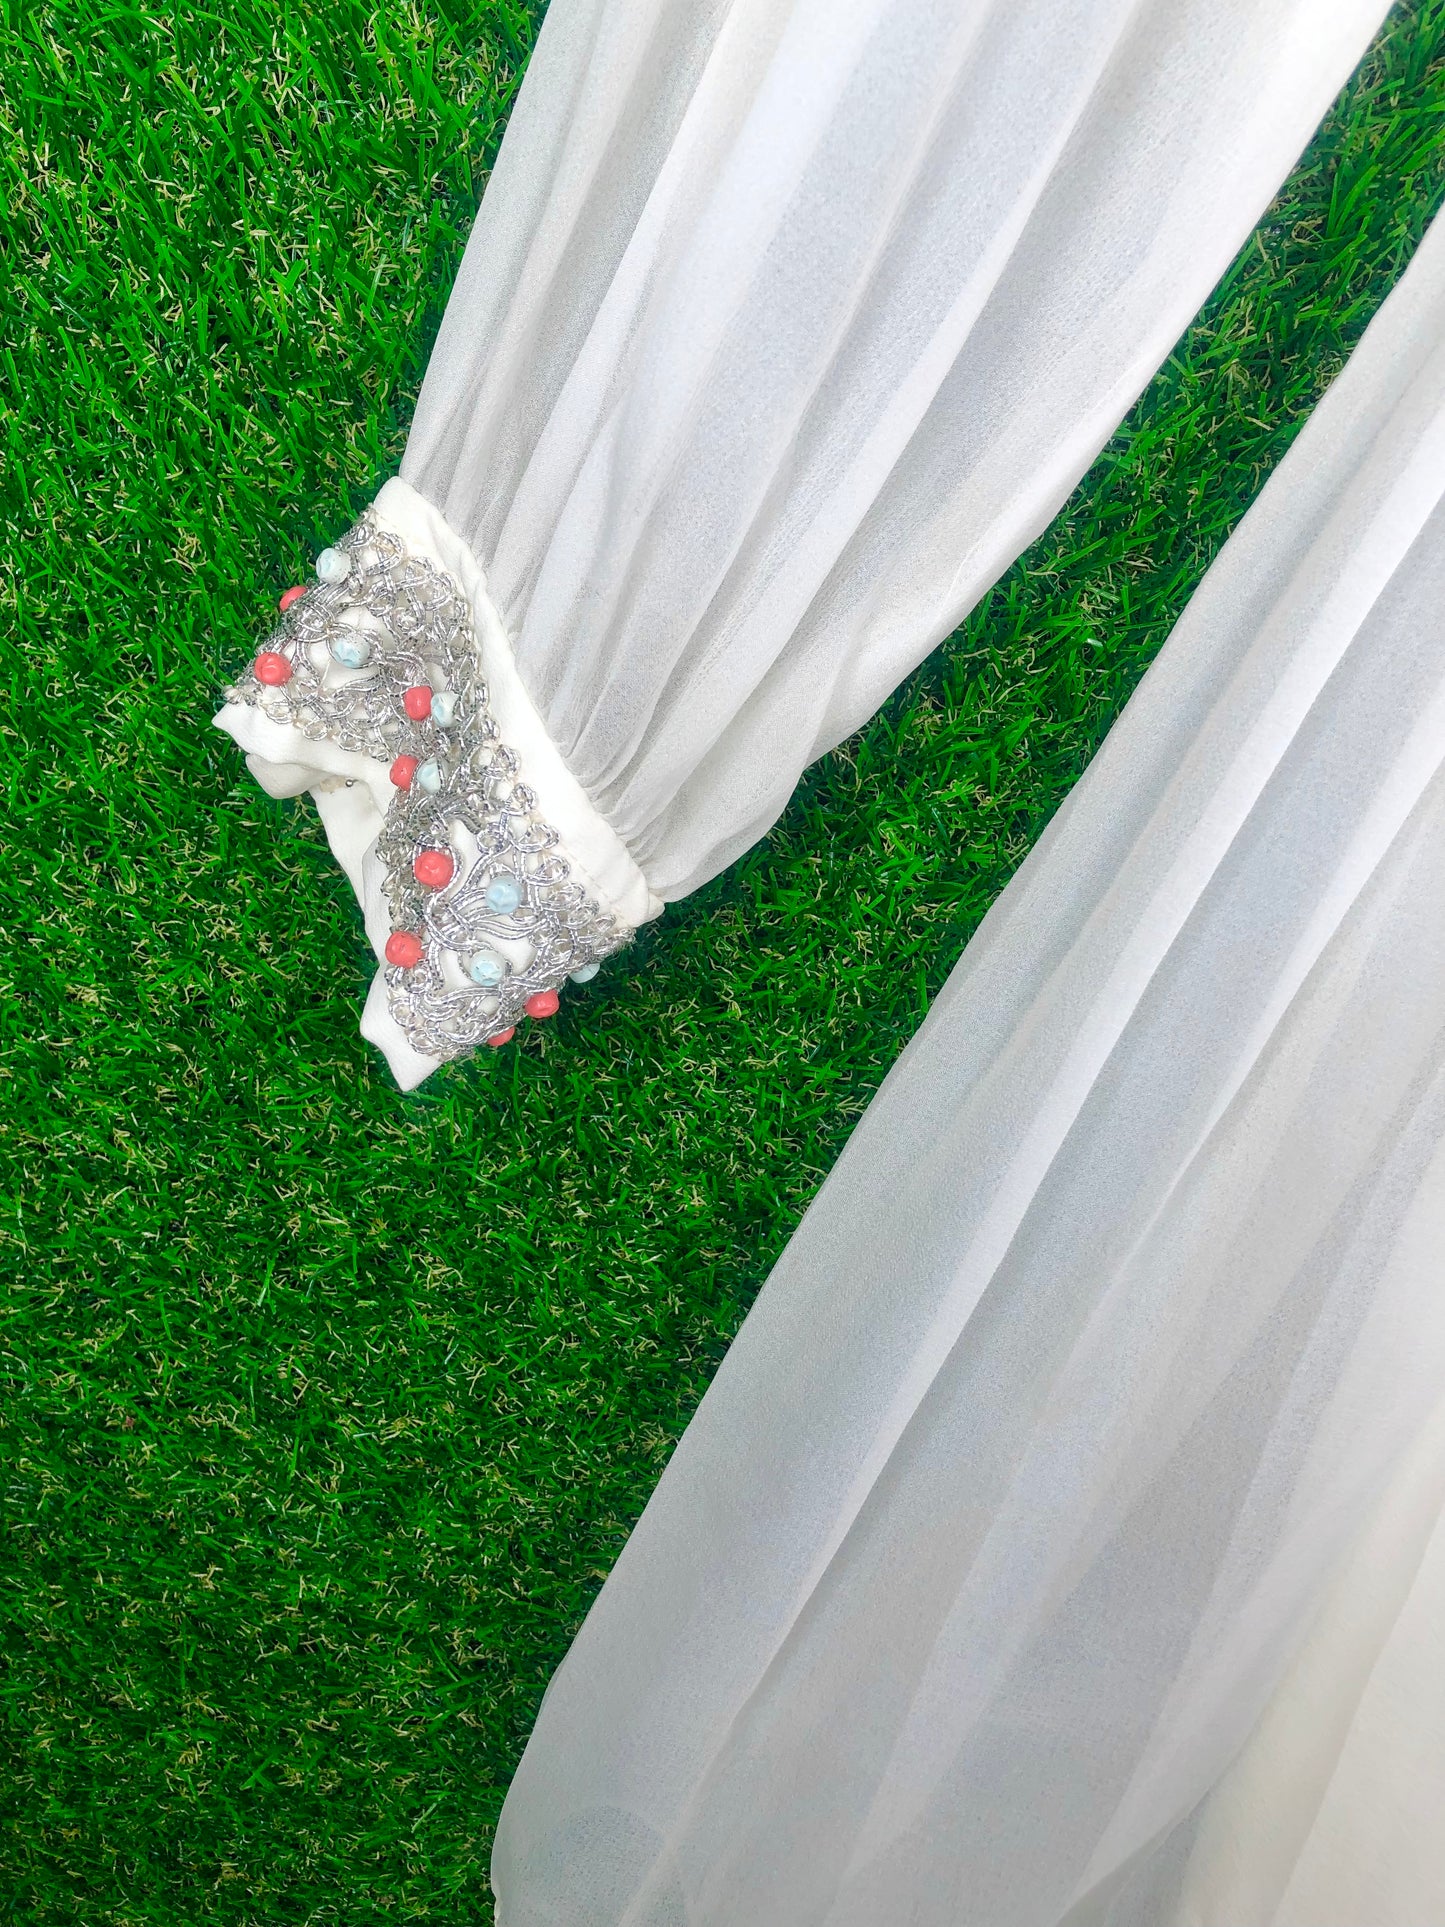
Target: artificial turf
x=325, y=1410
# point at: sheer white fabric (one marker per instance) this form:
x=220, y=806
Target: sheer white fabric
x=787, y=324
x=1331, y=1816
x=1116, y=1326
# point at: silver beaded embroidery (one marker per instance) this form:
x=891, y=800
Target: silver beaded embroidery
x=419, y=627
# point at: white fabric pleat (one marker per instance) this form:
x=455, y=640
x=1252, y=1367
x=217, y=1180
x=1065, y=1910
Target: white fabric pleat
x=786, y=325
x=1117, y=1324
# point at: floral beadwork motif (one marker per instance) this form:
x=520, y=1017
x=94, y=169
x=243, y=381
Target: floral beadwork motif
x=378, y=656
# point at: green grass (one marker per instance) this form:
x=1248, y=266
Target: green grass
x=325, y=1411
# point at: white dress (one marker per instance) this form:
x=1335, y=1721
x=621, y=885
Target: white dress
x=1088, y=1436
x=1083, y=1442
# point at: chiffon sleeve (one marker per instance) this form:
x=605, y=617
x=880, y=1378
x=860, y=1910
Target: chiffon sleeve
x=782, y=329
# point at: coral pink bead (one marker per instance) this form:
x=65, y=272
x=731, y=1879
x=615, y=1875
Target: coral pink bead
x=272, y=668
x=502, y=1037
x=417, y=702
x=402, y=771
x=542, y=1004
x=434, y=868
x=403, y=948
x=292, y=595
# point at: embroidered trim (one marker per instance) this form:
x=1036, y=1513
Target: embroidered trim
x=489, y=919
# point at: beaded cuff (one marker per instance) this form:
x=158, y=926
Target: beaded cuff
x=488, y=915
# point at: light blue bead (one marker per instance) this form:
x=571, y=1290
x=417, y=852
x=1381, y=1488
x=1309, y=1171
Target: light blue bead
x=487, y=969
x=428, y=777
x=584, y=973
x=443, y=708
x=503, y=895
x=352, y=652
x=333, y=565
